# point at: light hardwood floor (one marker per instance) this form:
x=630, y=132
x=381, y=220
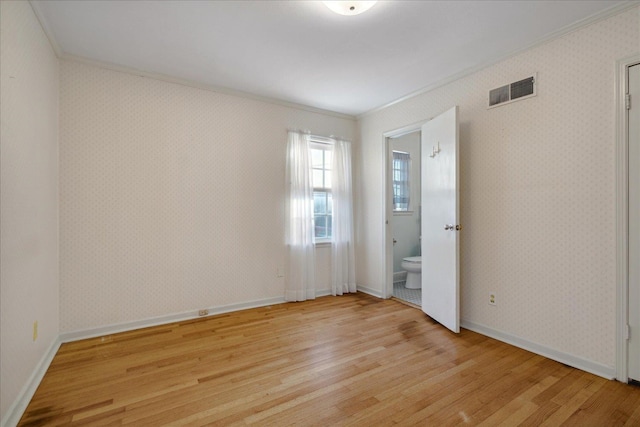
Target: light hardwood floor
x=349, y=360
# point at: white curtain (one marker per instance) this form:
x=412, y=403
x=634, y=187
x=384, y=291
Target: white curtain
x=300, y=280
x=342, y=251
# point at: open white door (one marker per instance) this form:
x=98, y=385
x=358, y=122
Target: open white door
x=440, y=226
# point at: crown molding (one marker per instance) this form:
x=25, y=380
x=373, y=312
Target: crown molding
x=600, y=16
x=37, y=10
x=35, y=6
x=614, y=10
x=203, y=86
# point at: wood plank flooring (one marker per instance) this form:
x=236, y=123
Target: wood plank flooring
x=349, y=360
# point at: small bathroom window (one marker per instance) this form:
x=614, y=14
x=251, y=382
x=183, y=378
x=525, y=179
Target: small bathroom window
x=401, y=190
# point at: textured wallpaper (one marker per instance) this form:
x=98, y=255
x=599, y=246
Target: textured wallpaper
x=537, y=190
x=171, y=197
x=29, y=198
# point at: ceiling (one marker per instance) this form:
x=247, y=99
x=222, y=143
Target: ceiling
x=300, y=51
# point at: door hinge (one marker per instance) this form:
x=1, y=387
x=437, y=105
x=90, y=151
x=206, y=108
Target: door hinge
x=627, y=101
x=627, y=332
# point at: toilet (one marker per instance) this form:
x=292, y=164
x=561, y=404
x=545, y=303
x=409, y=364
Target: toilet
x=413, y=265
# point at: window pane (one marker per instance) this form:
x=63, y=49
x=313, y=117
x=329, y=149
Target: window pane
x=317, y=178
x=319, y=202
x=316, y=158
x=329, y=205
x=329, y=226
x=327, y=179
x=328, y=156
x=321, y=226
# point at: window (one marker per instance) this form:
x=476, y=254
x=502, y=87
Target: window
x=319, y=209
x=321, y=156
x=401, y=162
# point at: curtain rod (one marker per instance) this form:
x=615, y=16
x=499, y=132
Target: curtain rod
x=319, y=138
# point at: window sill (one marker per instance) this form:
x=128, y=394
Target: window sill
x=402, y=213
x=322, y=243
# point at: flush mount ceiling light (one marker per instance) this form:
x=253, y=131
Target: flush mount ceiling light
x=349, y=7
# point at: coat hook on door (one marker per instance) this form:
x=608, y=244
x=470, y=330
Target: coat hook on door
x=435, y=151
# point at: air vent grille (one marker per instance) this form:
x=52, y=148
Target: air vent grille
x=515, y=91
x=522, y=88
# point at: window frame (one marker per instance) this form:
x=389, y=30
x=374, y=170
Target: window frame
x=407, y=184
x=319, y=144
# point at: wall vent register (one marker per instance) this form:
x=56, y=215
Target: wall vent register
x=516, y=91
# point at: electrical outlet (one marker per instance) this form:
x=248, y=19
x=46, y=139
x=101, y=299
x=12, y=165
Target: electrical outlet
x=492, y=298
x=35, y=330
x=279, y=272
x=203, y=312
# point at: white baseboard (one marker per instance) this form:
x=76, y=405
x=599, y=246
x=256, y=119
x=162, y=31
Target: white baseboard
x=163, y=320
x=13, y=415
x=370, y=291
x=179, y=317
x=590, y=366
x=399, y=276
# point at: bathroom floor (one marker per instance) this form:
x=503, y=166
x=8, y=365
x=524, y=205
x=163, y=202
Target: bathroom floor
x=414, y=296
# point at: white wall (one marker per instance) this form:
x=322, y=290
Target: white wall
x=28, y=198
x=537, y=191
x=171, y=197
x=406, y=225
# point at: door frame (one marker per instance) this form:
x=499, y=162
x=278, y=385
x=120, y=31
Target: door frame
x=622, y=219
x=387, y=230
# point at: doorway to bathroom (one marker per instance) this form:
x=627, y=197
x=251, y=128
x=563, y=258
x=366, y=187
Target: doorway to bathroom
x=436, y=271
x=405, y=163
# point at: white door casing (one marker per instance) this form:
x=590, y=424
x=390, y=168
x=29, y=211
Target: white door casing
x=440, y=214
x=633, y=122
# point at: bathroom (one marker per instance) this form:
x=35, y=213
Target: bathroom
x=406, y=217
